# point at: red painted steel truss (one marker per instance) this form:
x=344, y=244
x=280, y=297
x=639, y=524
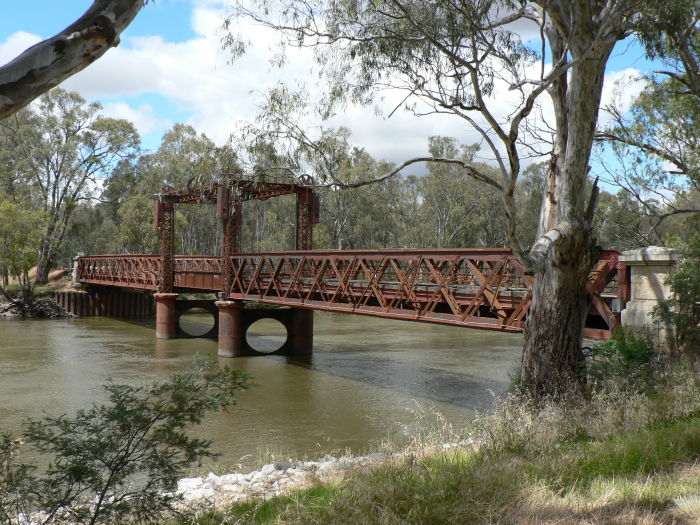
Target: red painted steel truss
x=479, y=288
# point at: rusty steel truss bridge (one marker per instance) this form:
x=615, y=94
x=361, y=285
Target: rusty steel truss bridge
x=477, y=288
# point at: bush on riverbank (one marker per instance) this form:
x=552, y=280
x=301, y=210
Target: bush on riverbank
x=619, y=458
x=119, y=461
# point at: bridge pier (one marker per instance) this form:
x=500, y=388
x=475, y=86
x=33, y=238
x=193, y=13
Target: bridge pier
x=166, y=319
x=234, y=322
x=301, y=331
x=230, y=341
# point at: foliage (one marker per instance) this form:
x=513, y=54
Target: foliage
x=20, y=231
x=15, y=481
x=137, y=233
x=656, y=150
x=59, y=149
x=120, y=461
x=683, y=310
x=626, y=360
x=656, y=144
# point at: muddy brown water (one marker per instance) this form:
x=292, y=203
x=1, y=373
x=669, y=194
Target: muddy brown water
x=369, y=380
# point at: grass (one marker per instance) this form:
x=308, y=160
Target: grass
x=648, y=475
x=619, y=458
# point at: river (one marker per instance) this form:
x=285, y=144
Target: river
x=369, y=380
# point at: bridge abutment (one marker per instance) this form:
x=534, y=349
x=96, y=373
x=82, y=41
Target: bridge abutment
x=166, y=319
x=650, y=269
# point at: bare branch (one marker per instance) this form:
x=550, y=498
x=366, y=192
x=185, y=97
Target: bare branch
x=471, y=170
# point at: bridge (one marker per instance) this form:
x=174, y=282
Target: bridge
x=476, y=288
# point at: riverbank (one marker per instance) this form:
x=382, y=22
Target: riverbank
x=43, y=306
x=281, y=477
x=620, y=458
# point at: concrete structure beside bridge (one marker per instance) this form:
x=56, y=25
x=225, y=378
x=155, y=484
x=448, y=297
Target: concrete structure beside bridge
x=650, y=269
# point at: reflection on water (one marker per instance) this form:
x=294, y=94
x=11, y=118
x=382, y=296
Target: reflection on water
x=365, y=382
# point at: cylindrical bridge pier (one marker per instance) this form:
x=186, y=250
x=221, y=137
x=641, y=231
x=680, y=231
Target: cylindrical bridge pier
x=231, y=334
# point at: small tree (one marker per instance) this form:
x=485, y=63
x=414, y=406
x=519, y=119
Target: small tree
x=683, y=310
x=20, y=231
x=119, y=461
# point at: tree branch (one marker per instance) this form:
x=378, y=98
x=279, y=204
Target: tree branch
x=473, y=172
x=48, y=63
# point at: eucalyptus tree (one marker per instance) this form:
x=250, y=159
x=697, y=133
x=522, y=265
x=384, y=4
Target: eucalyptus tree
x=656, y=150
x=621, y=224
x=456, y=58
x=48, y=63
x=362, y=217
x=64, y=151
x=20, y=230
x=456, y=210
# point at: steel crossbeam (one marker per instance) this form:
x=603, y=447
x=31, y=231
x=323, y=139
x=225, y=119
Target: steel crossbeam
x=479, y=288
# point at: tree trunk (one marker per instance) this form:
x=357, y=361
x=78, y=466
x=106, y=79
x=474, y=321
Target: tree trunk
x=552, y=361
x=42, y=272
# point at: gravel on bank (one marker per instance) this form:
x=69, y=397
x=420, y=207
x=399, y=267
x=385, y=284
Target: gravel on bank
x=276, y=478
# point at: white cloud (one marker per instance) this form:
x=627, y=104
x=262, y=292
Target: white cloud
x=620, y=89
x=144, y=116
x=15, y=44
x=194, y=76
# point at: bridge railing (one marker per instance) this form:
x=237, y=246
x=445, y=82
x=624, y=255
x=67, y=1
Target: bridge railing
x=487, y=288
x=198, y=272
x=130, y=271
x=143, y=271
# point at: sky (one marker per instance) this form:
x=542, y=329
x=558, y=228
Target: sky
x=170, y=68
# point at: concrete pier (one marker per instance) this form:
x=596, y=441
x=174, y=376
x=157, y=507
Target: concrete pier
x=650, y=268
x=301, y=331
x=166, y=320
x=231, y=332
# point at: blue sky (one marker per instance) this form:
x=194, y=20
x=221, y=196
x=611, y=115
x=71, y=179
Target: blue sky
x=170, y=68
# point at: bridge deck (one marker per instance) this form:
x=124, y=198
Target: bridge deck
x=478, y=288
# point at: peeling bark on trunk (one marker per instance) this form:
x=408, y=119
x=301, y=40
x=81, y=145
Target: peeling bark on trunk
x=48, y=63
x=552, y=361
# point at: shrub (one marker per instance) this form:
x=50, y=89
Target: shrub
x=120, y=461
x=683, y=311
x=626, y=360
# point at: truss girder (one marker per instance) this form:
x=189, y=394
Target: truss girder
x=477, y=288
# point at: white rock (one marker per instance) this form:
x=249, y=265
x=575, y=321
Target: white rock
x=199, y=493
x=267, y=469
x=186, y=484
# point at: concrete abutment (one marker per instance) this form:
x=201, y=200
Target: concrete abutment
x=650, y=269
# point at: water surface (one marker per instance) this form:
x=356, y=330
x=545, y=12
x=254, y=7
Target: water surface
x=368, y=380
